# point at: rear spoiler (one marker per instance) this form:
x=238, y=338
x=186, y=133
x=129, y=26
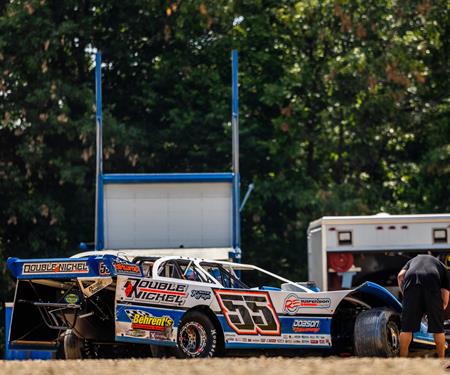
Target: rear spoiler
x=68, y=268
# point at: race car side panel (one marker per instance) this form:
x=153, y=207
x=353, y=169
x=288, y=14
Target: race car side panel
x=275, y=319
x=150, y=311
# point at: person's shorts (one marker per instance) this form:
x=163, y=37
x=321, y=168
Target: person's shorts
x=419, y=301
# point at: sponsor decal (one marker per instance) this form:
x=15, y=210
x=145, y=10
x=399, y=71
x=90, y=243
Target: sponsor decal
x=293, y=303
x=136, y=333
x=145, y=324
x=303, y=325
x=55, y=267
x=124, y=268
x=249, y=313
x=71, y=298
x=95, y=287
x=155, y=291
x=102, y=269
x=95, y=284
x=201, y=294
x=309, y=340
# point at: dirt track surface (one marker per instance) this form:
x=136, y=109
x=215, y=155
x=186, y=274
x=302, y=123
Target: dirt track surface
x=229, y=366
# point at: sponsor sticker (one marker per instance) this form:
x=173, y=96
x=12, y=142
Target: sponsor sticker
x=304, y=325
x=155, y=291
x=201, y=294
x=147, y=322
x=72, y=298
x=126, y=268
x=136, y=333
x=157, y=327
x=293, y=303
x=55, y=267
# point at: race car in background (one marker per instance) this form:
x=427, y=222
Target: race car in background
x=110, y=304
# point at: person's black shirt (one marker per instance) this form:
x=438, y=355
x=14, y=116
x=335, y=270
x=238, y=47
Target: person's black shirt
x=426, y=271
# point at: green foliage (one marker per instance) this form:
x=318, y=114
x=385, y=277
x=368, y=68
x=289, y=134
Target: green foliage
x=344, y=110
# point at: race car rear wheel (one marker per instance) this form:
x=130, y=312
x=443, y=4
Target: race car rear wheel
x=197, y=336
x=377, y=333
x=73, y=346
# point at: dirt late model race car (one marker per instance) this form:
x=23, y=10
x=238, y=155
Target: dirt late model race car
x=101, y=304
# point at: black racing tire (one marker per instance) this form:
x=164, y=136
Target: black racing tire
x=73, y=346
x=197, y=336
x=377, y=333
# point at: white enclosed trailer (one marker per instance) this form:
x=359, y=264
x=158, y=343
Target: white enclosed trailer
x=344, y=251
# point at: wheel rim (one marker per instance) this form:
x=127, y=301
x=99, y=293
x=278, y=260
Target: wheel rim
x=192, y=339
x=393, y=336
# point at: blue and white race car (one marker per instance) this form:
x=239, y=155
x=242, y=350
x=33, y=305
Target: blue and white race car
x=112, y=304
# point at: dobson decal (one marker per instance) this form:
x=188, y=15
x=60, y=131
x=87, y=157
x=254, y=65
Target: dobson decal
x=293, y=303
x=303, y=325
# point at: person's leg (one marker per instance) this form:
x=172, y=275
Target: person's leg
x=439, y=339
x=405, y=340
x=435, y=313
x=412, y=312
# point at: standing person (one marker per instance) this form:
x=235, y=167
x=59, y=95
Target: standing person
x=425, y=284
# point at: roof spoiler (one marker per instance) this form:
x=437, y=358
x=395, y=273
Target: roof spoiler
x=68, y=268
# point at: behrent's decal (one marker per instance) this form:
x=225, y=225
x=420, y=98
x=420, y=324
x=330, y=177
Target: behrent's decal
x=306, y=325
x=145, y=321
x=249, y=313
x=145, y=325
x=55, y=267
x=155, y=291
x=293, y=303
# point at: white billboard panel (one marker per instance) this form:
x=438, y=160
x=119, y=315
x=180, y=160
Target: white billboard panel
x=168, y=215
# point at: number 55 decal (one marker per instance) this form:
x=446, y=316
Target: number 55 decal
x=249, y=313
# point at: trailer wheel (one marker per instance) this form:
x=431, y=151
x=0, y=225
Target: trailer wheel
x=377, y=333
x=73, y=346
x=197, y=336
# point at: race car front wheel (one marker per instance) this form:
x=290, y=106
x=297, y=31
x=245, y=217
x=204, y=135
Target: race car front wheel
x=197, y=336
x=377, y=333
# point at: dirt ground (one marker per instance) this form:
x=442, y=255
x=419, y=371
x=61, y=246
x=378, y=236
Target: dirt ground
x=234, y=366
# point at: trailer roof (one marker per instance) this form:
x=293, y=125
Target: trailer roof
x=380, y=218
